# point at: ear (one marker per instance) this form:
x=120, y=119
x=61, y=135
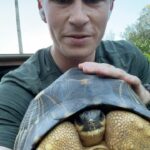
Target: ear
x=41, y=11
x=112, y=5
x=42, y=14
x=111, y=8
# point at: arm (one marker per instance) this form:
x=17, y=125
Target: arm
x=14, y=101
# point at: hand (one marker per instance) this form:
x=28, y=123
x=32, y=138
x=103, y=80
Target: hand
x=103, y=69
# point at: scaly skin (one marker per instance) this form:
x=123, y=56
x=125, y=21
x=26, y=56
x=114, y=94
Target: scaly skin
x=124, y=131
x=127, y=131
x=65, y=137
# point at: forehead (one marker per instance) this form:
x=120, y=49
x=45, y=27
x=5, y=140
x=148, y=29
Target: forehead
x=91, y=3
x=71, y=0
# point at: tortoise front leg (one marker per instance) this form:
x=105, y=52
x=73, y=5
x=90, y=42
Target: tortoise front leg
x=62, y=137
x=65, y=137
x=126, y=131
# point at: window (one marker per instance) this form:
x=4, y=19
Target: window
x=34, y=32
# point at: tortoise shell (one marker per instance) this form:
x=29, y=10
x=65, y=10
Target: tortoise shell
x=69, y=94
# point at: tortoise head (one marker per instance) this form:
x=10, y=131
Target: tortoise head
x=90, y=125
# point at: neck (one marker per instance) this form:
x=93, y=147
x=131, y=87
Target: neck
x=65, y=63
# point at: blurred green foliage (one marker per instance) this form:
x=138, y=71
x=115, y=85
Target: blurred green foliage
x=139, y=33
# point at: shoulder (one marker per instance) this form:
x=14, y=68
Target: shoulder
x=116, y=52
x=27, y=75
x=121, y=46
x=125, y=55
x=121, y=50
x=37, y=57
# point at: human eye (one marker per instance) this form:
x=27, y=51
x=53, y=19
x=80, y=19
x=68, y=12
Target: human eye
x=62, y=2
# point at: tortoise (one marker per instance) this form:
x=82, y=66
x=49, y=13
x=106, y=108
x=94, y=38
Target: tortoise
x=81, y=111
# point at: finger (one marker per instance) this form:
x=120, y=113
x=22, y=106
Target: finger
x=103, y=69
x=100, y=69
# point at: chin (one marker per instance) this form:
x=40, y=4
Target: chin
x=80, y=54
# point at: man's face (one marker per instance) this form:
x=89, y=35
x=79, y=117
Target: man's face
x=76, y=26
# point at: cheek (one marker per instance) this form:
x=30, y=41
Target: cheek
x=52, y=22
x=101, y=20
x=55, y=28
x=55, y=20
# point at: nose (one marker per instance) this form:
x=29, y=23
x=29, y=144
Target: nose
x=78, y=14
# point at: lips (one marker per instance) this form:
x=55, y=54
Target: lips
x=77, y=39
x=78, y=36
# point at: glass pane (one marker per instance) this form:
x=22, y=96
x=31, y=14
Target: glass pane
x=8, y=34
x=35, y=33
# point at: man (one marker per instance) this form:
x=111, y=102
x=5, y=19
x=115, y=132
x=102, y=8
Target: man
x=77, y=28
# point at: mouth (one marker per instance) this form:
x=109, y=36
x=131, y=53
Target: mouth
x=78, y=39
x=78, y=36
